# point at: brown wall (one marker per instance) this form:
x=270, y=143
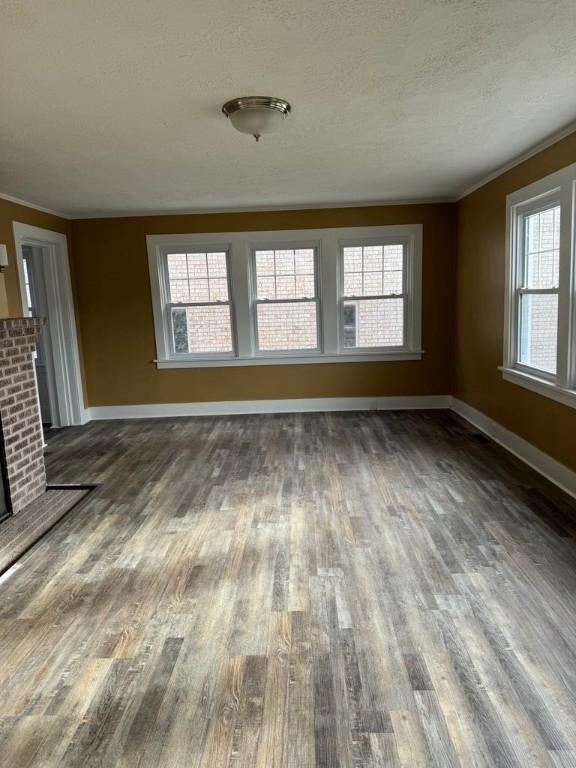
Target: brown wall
x=545, y=423
x=9, y=212
x=113, y=291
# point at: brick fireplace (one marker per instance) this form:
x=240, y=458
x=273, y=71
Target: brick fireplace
x=21, y=439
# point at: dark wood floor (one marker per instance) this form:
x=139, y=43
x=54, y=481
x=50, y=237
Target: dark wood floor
x=330, y=590
x=20, y=531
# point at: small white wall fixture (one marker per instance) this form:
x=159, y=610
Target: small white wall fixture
x=69, y=407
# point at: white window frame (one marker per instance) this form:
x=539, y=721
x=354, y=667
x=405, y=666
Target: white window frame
x=255, y=301
x=556, y=189
x=408, y=325
x=169, y=305
x=327, y=244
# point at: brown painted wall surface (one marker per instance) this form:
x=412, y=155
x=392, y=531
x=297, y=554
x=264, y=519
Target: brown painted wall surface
x=545, y=423
x=9, y=212
x=112, y=282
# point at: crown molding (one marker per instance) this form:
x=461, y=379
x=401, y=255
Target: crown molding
x=540, y=147
x=41, y=208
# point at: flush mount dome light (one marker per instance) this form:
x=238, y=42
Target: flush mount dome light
x=256, y=115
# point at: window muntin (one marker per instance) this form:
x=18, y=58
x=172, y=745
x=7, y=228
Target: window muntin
x=198, y=307
x=538, y=288
x=286, y=305
x=373, y=300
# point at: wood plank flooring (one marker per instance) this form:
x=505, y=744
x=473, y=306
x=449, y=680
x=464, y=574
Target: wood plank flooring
x=20, y=531
x=303, y=590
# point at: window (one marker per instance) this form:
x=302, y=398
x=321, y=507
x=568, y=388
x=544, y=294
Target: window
x=286, y=300
x=199, y=303
x=373, y=300
x=538, y=290
x=540, y=342
x=259, y=298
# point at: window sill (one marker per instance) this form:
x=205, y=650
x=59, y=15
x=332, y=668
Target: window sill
x=358, y=357
x=541, y=386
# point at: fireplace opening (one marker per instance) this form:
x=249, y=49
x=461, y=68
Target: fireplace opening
x=5, y=505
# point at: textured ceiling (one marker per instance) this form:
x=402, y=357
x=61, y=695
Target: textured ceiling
x=114, y=106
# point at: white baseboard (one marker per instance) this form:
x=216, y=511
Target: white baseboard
x=553, y=470
x=235, y=407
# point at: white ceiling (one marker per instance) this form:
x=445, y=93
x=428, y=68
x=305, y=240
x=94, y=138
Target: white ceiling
x=114, y=106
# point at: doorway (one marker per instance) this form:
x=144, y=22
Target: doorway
x=34, y=283
x=46, y=291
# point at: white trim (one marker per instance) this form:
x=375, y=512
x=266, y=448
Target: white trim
x=235, y=407
x=541, y=462
x=61, y=318
x=315, y=246
x=327, y=242
x=278, y=359
x=34, y=207
x=502, y=169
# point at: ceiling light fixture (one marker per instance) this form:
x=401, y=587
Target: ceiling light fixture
x=256, y=115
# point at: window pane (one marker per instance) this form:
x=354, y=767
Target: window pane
x=393, y=282
x=197, y=277
x=373, y=270
x=202, y=329
x=217, y=265
x=285, y=274
x=305, y=286
x=538, y=331
x=374, y=323
x=373, y=258
x=177, y=269
x=264, y=263
x=542, y=249
x=218, y=289
x=199, y=290
x=284, y=262
x=350, y=325
x=304, y=260
x=197, y=265
x=393, y=255
x=373, y=284
x=266, y=288
x=287, y=326
x=285, y=287
x=353, y=284
x=179, y=290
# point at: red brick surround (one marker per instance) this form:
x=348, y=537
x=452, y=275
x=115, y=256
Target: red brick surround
x=19, y=412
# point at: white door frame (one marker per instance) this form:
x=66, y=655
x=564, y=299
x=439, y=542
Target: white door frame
x=61, y=318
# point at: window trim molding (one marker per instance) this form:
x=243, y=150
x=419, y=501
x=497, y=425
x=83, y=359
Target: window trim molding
x=405, y=295
x=170, y=305
x=327, y=242
x=557, y=188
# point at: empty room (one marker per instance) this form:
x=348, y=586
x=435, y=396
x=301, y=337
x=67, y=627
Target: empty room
x=288, y=384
